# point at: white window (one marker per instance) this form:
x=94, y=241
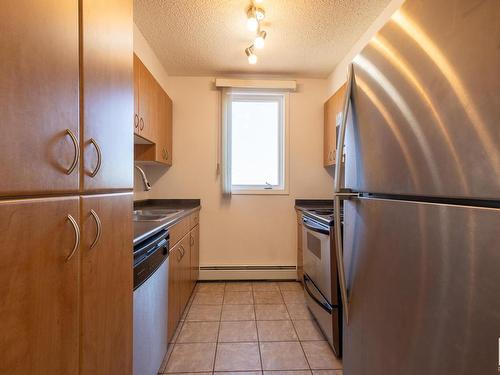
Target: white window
x=257, y=135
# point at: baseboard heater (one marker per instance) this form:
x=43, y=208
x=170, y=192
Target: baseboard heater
x=248, y=273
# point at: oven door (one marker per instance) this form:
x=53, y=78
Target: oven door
x=316, y=253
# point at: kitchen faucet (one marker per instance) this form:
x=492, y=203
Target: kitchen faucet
x=147, y=185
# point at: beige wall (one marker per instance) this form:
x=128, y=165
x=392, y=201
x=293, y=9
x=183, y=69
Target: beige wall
x=244, y=230
x=339, y=74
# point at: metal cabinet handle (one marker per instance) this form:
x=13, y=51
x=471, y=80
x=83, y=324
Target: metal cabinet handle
x=183, y=251
x=99, y=157
x=99, y=228
x=76, y=148
x=141, y=124
x=136, y=121
x=179, y=255
x=165, y=153
x=191, y=240
x=338, y=195
x=77, y=236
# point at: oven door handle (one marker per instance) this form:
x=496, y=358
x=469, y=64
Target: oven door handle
x=315, y=227
x=324, y=305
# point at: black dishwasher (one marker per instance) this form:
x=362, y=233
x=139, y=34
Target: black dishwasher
x=149, y=254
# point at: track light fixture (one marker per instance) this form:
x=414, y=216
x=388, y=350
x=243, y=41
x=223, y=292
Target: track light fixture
x=255, y=14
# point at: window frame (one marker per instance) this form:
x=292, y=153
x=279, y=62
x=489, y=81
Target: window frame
x=282, y=97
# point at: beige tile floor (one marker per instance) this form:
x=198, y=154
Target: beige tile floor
x=249, y=328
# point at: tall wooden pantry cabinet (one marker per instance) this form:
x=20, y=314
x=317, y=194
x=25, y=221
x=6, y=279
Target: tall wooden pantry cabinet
x=66, y=179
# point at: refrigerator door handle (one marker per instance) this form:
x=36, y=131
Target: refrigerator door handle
x=338, y=195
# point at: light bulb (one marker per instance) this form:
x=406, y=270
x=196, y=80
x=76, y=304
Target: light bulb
x=252, y=23
x=252, y=59
x=260, y=39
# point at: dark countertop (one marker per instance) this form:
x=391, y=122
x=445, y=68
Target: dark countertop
x=307, y=204
x=144, y=229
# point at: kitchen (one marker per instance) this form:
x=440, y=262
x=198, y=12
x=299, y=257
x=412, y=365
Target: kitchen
x=250, y=187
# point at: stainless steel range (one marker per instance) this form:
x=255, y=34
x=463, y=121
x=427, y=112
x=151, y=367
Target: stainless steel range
x=320, y=274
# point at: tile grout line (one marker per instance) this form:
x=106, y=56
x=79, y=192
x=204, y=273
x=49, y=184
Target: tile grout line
x=218, y=330
x=257, y=330
x=298, y=338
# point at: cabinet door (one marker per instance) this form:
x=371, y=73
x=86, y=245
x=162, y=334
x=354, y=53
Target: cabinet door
x=167, y=130
x=39, y=286
x=173, y=291
x=137, y=77
x=106, y=284
x=39, y=97
x=329, y=133
x=145, y=83
x=333, y=112
x=108, y=96
x=186, y=272
x=195, y=254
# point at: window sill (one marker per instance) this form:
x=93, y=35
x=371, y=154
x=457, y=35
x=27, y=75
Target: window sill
x=260, y=192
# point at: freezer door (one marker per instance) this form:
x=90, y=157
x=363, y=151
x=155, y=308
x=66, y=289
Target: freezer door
x=424, y=288
x=426, y=104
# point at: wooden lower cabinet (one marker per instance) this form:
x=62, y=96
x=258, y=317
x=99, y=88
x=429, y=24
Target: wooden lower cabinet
x=183, y=270
x=195, y=254
x=39, y=307
x=174, y=284
x=106, y=284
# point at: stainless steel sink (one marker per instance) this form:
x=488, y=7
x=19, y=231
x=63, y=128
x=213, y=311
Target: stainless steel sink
x=158, y=214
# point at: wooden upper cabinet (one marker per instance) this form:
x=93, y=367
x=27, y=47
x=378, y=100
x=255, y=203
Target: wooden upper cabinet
x=108, y=94
x=137, y=77
x=144, y=97
x=39, y=97
x=333, y=116
x=39, y=307
x=152, y=119
x=106, y=284
x=164, y=129
x=168, y=155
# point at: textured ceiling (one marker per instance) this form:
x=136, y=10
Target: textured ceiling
x=306, y=38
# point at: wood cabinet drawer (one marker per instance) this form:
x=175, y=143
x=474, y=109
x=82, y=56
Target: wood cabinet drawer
x=194, y=219
x=178, y=231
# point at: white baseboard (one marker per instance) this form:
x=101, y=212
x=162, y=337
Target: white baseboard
x=248, y=273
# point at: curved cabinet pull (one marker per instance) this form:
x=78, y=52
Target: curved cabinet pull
x=165, y=153
x=136, y=121
x=99, y=157
x=183, y=251
x=179, y=255
x=77, y=236
x=99, y=228
x=191, y=240
x=76, y=148
x=141, y=124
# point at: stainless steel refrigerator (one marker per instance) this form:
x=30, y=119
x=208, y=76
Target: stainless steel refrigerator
x=420, y=248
